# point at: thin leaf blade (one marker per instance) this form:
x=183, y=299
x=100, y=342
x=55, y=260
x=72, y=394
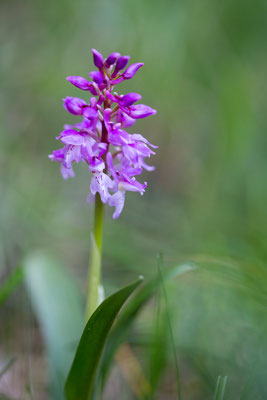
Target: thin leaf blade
x=220, y=388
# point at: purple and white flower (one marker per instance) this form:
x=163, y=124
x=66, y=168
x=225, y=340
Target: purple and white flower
x=114, y=156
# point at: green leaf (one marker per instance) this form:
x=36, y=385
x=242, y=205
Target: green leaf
x=220, y=388
x=58, y=305
x=11, y=282
x=80, y=382
x=157, y=354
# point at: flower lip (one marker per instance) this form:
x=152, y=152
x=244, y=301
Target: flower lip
x=117, y=201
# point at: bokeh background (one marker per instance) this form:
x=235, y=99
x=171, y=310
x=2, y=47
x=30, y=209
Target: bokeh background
x=205, y=72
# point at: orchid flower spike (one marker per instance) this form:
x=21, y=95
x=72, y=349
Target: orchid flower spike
x=114, y=156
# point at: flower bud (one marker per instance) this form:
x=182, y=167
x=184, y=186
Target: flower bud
x=112, y=58
x=122, y=62
x=140, y=111
x=98, y=58
x=131, y=70
x=79, y=82
x=97, y=77
x=129, y=99
x=82, y=83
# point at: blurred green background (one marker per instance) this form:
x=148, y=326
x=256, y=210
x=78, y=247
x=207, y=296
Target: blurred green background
x=205, y=72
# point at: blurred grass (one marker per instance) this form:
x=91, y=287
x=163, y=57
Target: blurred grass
x=205, y=68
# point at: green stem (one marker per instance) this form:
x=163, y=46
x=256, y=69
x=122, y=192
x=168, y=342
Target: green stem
x=94, y=276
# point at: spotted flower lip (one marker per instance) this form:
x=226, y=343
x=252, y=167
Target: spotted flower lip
x=114, y=156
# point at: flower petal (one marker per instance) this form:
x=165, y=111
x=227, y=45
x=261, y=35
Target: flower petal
x=132, y=185
x=66, y=172
x=101, y=183
x=137, y=136
x=73, y=153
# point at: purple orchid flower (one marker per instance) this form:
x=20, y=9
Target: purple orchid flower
x=114, y=156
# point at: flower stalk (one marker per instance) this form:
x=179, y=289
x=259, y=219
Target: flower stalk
x=94, y=273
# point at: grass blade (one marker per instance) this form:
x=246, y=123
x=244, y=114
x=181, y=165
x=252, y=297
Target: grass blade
x=220, y=387
x=179, y=394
